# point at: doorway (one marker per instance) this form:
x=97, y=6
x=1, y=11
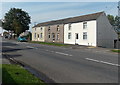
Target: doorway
x=76, y=38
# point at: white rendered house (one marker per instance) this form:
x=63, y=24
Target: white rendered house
x=90, y=30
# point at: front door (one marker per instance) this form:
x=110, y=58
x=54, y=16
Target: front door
x=76, y=38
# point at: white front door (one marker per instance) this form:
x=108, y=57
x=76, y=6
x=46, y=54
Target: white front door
x=76, y=38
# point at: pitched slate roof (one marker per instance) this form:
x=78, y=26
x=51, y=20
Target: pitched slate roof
x=82, y=18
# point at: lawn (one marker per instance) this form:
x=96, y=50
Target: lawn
x=47, y=43
x=116, y=50
x=17, y=75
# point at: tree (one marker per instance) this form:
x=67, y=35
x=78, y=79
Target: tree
x=111, y=19
x=115, y=22
x=16, y=20
x=117, y=25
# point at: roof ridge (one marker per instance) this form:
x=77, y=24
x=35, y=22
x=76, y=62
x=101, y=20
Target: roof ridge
x=86, y=17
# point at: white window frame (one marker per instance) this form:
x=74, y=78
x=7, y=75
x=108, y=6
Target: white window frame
x=35, y=35
x=41, y=35
x=58, y=36
x=84, y=25
x=69, y=26
x=84, y=35
x=69, y=35
x=41, y=28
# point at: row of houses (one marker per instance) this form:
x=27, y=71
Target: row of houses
x=90, y=30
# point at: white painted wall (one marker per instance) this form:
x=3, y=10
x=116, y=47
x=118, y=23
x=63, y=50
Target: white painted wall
x=78, y=28
x=105, y=32
x=38, y=31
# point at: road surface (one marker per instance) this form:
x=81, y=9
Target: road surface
x=67, y=65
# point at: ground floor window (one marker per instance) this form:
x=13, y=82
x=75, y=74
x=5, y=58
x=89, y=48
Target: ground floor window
x=41, y=35
x=35, y=35
x=84, y=35
x=53, y=36
x=57, y=36
x=69, y=35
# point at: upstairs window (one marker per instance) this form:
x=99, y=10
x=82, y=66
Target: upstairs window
x=41, y=28
x=69, y=27
x=48, y=29
x=84, y=25
x=58, y=29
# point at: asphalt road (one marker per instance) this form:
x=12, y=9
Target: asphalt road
x=67, y=65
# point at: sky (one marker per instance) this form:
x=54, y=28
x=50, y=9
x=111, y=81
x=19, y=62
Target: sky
x=47, y=11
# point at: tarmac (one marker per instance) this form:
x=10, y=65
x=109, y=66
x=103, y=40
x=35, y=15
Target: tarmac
x=4, y=60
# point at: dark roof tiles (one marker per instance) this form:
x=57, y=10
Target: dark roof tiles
x=88, y=17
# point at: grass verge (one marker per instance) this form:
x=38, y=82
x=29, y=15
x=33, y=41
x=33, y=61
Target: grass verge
x=47, y=43
x=17, y=75
x=116, y=50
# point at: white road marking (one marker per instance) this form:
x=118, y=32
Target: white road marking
x=51, y=51
x=30, y=47
x=63, y=53
x=102, y=62
x=9, y=46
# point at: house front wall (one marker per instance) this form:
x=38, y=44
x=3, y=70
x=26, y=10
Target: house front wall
x=54, y=33
x=77, y=28
x=38, y=34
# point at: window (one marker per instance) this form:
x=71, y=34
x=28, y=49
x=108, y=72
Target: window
x=41, y=28
x=58, y=29
x=35, y=35
x=57, y=36
x=49, y=29
x=49, y=35
x=69, y=28
x=84, y=25
x=35, y=29
x=69, y=35
x=84, y=35
x=41, y=35
x=53, y=36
